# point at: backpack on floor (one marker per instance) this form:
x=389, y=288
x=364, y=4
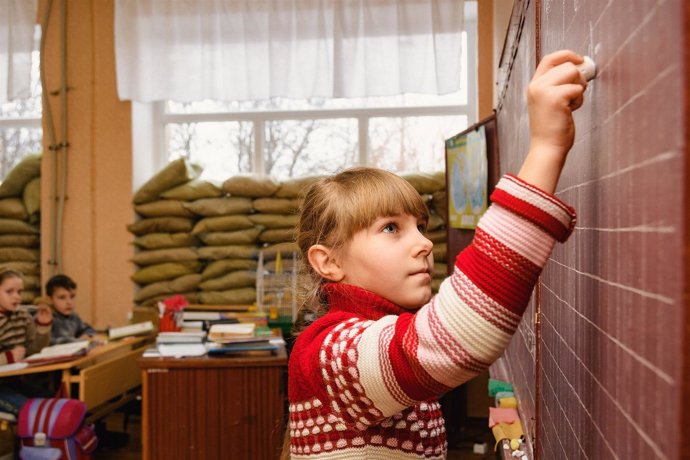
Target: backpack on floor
x=53, y=429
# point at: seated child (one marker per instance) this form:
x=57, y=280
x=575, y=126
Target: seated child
x=67, y=325
x=20, y=336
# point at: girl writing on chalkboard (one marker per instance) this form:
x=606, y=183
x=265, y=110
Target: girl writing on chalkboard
x=365, y=377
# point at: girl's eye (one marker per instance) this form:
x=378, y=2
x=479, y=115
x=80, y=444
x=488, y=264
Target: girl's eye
x=390, y=228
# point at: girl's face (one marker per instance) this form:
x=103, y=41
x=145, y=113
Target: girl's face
x=11, y=293
x=391, y=258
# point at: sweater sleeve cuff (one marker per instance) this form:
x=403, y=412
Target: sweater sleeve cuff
x=535, y=205
x=9, y=357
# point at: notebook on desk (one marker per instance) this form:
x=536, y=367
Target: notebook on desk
x=59, y=353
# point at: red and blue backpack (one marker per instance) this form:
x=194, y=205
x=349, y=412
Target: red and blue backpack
x=54, y=429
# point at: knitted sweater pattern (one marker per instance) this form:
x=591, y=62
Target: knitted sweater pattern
x=19, y=328
x=364, y=379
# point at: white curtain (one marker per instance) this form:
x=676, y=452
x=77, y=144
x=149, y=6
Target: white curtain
x=17, y=21
x=188, y=50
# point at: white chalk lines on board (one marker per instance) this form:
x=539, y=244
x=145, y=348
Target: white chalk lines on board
x=640, y=292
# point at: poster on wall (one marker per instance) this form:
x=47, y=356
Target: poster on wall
x=466, y=160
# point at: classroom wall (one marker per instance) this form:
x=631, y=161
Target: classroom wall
x=96, y=246
x=601, y=374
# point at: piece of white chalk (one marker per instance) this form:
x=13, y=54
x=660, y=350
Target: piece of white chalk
x=588, y=68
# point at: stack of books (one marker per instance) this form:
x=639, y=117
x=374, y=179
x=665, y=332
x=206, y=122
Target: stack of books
x=238, y=339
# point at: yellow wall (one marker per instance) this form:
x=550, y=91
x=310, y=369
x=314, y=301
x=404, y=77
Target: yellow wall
x=96, y=246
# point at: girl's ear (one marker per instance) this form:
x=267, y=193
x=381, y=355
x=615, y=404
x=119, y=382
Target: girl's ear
x=322, y=260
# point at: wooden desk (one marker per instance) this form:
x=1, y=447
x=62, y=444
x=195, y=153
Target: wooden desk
x=214, y=408
x=105, y=372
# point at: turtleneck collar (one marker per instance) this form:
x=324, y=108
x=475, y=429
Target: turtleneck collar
x=353, y=299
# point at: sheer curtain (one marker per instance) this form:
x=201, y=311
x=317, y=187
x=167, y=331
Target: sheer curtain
x=17, y=21
x=255, y=49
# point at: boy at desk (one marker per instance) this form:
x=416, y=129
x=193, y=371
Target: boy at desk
x=67, y=325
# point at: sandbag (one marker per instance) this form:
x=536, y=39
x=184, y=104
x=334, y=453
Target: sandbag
x=175, y=173
x=161, y=225
x=19, y=255
x=159, y=256
x=32, y=196
x=278, y=235
x=437, y=236
x=165, y=271
x=223, y=266
x=276, y=205
x=25, y=268
x=426, y=182
x=295, y=188
x=440, y=204
x=193, y=190
x=440, y=252
x=249, y=235
x=235, y=251
x=13, y=208
x=184, y=283
x=191, y=297
x=222, y=224
x=275, y=220
x=163, y=208
x=14, y=226
x=435, y=222
x=209, y=207
x=28, y=168
x=285, y=249
x=165, y=240
x=242, y=296
x=22, y=241
x=232, y=280
x=250, y=186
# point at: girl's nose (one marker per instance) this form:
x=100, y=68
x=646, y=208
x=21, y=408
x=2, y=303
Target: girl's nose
x=425, y=245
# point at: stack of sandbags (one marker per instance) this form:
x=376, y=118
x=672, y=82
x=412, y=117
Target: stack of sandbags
x=167, y=260
x=432, y=188
x=20, y=207
x=229, y=242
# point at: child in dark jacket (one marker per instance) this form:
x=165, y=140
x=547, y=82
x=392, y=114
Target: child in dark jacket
x=67, y=325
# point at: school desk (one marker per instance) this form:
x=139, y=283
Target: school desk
x=106, y=372
x=213, y=407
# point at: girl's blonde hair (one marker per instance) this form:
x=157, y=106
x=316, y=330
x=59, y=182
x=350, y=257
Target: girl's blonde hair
x=7, y=273
x=337, y=207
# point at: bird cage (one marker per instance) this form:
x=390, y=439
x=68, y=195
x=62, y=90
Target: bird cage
x=276, y=289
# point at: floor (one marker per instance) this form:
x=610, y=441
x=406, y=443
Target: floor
x=462, y=450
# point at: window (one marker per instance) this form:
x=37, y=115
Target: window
x=290, y=138
x=20, y=121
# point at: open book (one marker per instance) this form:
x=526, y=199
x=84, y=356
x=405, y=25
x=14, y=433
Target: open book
x=59, y=353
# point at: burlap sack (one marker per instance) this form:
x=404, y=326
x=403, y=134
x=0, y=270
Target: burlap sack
x=242, y=296
x=161, y=225
x=440, y=252
x=162, y=272
x=25, y=268
x=436, y=284
x=159, y=256
x=21, y=241
x=250, y=186
x=175, y=173
x=222, y=224
x=426, y=182
x=285, y=249
x=440, y=204
x=163, y=208
x=275, y=220
x=13, y=208
x=437, y=236
x=246, y=236
x=221, y=267
x=193, y=190
x=435, y=222
x=32, y=283
x=278, y=235
x=294, y=188
x=440, y=270
x=184, y=283
x=232, y=280
x=28, y=168
x=209, y=207
x=32, y=196
x=276, y=205
x=19, y=255
x=165, y=240
x=191, y=297
x=14, y=226
x=235, y=251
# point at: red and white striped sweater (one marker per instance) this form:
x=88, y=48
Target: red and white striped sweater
x=364, y=379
